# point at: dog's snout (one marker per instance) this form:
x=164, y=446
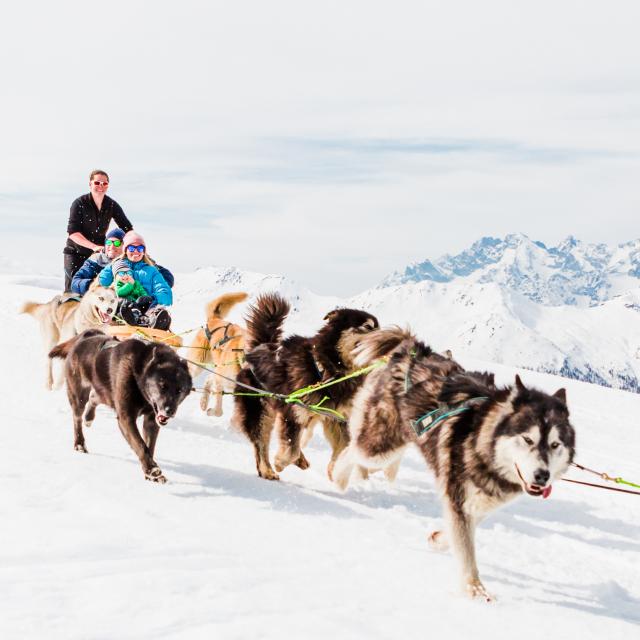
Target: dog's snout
x=541, y=477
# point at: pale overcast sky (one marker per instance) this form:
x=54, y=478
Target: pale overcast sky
x=332, y=142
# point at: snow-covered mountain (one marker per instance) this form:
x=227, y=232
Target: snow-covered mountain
x=482, y=320
x=572, y=273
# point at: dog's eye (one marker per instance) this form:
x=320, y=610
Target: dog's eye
x=528, y=440
x=101, y=299
x=555, y=445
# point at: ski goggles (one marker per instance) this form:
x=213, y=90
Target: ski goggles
x=115, y=243
x=135, y=248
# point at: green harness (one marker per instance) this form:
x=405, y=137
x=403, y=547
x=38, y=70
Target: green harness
x=429, y=420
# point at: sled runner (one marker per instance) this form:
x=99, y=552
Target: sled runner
x=156, y=335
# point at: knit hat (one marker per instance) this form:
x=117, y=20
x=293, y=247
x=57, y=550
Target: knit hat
x=116, y=233
x=119, y=265
x=133, y=237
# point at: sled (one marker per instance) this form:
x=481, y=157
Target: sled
x=156, y=335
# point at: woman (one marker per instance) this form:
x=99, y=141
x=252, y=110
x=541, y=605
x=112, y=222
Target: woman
x=89, y=220
x=137, y=266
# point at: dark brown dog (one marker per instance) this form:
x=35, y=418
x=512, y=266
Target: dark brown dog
x=132, y=377
x=284, y=366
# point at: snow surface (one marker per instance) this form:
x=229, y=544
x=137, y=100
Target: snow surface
x=90, y=550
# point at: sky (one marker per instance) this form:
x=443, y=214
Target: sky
x=331, y=142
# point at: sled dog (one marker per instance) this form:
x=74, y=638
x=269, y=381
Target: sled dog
x=220, y=345
x=60, y=320
x=485, y=445
x=285, y=365
x=132, y=377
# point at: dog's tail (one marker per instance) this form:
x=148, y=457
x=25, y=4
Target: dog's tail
x=63, y=349
x=380, y=343
x=32, y=308
x=265, y=320
x=219, y=307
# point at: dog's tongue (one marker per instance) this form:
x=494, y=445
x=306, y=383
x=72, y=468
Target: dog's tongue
x=546, y=492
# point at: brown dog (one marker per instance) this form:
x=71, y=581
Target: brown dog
x=219, y=345
x=283, y=365
x=132, y=377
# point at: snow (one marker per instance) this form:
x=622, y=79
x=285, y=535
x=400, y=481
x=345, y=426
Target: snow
x=90, y=550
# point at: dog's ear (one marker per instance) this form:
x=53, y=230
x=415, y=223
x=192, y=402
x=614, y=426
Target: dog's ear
x=94, y=285
x=331, y=315
x=152, y=355
x=561, y=394
x=519, y=385
x=368, y=325
x=448, y=355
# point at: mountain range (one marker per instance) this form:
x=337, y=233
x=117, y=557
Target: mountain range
x=571, y=273
x=572, y=309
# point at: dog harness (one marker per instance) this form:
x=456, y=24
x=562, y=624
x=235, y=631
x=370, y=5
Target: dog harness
x=429, y=420
x=225, y=338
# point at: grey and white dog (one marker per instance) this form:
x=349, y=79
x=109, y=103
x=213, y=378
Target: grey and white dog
x=60, y=320
x=485, y=445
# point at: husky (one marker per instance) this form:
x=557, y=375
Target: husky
x=60, y=320
x=485, y=445
x=132, y=377
x=285, y=365
x=219, y=344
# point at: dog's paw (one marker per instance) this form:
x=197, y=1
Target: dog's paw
x=477, y=591
x=87, y=424
x=81, y=448
x=268, y=474
x=438, y=541
x=302, y=462
x=155, y=475
x=214, y=413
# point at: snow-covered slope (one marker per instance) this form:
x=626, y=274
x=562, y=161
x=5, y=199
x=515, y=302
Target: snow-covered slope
x=91, y=551
x=485, y=320
x=572, y=273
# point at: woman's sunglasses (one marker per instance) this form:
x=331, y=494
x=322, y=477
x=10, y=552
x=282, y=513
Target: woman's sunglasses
x=115, y=243
x=139, y=248
x=99, y=183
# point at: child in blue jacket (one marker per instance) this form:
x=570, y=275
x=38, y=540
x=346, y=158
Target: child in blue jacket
x=151, y=309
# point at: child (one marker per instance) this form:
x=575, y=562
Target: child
x=135, y=300
x=152, y=306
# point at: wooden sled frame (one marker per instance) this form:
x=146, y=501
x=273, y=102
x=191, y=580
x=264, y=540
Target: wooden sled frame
x=125, y=331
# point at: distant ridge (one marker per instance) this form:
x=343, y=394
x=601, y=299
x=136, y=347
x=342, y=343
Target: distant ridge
x=571, y=273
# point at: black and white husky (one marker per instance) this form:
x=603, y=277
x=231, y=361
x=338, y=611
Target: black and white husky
x=486, y=445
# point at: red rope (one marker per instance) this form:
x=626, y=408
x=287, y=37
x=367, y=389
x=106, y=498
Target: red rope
x=603, y=486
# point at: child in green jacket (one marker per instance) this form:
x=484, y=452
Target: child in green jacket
x=126, y=286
